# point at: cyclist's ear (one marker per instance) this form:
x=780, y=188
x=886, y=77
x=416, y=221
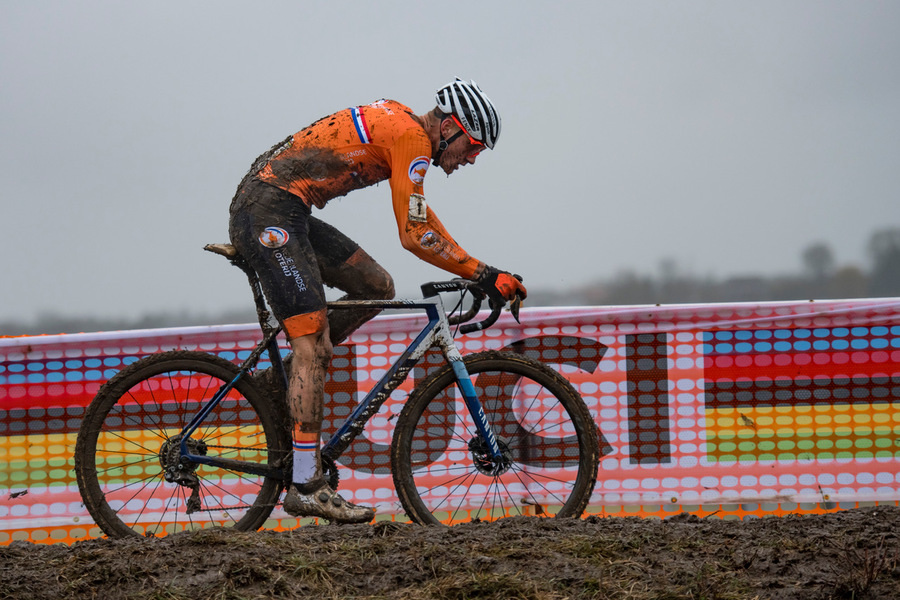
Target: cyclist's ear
x=448, y=127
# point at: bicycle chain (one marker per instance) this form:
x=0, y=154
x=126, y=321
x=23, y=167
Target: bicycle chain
x=209, y=510
x=243, y=448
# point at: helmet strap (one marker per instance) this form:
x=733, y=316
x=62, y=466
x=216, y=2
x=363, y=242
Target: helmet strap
x=443, y=145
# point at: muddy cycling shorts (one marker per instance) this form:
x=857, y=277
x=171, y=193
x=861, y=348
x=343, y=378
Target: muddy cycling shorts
x=287, y=247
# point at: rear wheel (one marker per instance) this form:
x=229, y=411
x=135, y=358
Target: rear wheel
x=128, y=449
x=443, y=471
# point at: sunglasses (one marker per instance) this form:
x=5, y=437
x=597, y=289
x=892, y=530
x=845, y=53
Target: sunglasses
x=478, y=146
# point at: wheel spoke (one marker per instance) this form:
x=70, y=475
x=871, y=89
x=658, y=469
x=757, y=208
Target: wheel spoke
x=548, y=458
x=130, y=442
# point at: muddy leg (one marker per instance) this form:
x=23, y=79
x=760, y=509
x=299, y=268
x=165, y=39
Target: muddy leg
x=363, y=279
x=306, y=390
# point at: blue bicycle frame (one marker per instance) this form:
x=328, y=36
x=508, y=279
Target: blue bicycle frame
x=435, y=332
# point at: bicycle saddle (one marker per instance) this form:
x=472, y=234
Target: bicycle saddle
x=226, y=250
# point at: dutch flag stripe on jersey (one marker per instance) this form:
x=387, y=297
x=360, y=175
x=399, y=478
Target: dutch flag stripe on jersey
x=359, y=121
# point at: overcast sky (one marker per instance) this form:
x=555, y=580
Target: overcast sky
x=725, y=136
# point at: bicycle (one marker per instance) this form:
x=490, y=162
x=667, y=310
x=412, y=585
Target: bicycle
x=186, y=439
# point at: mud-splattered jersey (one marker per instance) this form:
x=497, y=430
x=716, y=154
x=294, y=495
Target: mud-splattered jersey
x=361, y=146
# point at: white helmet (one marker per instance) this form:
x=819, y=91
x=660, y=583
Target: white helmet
x=475, y=111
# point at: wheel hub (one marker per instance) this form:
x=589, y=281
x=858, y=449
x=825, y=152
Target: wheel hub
x=484, y=463
x=175, y=468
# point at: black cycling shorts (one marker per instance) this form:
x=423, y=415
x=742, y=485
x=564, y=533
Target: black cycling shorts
x=289, y=249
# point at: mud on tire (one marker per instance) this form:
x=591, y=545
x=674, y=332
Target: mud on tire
x=130, y=435
x=549, y=441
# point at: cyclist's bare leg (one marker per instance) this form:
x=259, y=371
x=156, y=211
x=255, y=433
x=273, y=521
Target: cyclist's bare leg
x=310, y=496
x=306, y=384
x=362, y=279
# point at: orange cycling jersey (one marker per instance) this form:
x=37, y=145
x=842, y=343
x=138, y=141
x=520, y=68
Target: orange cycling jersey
x=360, y=146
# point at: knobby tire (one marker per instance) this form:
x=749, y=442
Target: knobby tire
x=127, y=436
x=550, y=439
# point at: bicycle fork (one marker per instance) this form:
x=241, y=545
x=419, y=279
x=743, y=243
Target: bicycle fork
x=490, y=457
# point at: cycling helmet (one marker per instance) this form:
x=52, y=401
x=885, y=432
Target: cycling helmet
x=476, y=112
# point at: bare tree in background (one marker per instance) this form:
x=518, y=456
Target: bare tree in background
x=819, y=261
x=884, y=249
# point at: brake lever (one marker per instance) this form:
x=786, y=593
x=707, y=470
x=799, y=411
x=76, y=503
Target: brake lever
x=514, y=307
x=516, y=304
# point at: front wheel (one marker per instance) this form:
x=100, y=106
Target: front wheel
x=127, y=453
x=549, y=443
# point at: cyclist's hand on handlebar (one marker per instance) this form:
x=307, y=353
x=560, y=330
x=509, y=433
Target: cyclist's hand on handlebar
x=502, y=286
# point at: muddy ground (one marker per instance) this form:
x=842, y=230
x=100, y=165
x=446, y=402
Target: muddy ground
x=852, y=554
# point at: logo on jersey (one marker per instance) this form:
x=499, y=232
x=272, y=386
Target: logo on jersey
x=273, y=237
x=380, y=104
x=418, y=210
x=417, y=169
x=428, y=240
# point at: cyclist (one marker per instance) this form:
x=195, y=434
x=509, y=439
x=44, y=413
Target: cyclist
x=295, y=253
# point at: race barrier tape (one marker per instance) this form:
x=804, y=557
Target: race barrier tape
x=726, y=409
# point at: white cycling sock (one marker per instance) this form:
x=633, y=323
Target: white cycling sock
x=305, y=446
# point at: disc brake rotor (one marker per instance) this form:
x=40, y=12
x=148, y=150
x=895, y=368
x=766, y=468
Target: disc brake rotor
x=484, y=463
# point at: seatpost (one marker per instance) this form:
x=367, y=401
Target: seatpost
x=262, y=311
x=269, y=330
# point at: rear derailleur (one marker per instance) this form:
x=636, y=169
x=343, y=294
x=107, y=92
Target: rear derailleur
x=177, y=469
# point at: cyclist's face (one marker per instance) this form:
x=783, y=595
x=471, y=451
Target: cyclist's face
x=462, y=151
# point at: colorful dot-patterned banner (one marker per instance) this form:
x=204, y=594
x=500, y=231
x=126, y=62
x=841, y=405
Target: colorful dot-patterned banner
x=756, y=407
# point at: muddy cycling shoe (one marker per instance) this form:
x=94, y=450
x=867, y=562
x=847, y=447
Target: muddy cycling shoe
x=324, y=503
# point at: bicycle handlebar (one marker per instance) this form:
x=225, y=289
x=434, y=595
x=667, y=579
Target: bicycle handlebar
x=478, y=296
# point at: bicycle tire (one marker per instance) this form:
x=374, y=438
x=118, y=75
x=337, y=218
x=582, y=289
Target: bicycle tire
x=130, y=432
x=554, y=452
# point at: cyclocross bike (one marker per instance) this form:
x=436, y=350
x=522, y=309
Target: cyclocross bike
x=186, y=439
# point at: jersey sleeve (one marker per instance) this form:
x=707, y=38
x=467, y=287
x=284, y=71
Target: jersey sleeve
x=421, y=232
